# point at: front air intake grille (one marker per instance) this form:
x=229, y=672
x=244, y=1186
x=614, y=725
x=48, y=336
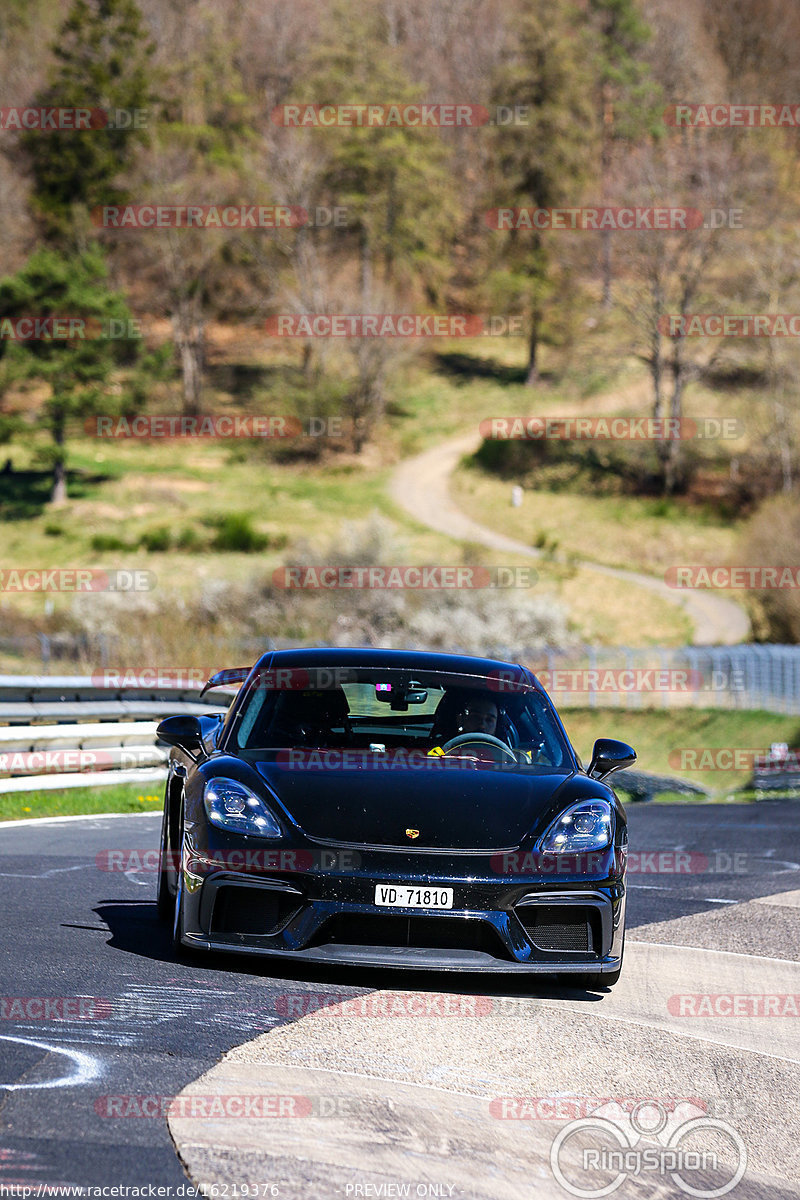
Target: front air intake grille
x=252, y=910
x=421, y=933
x=561, y=927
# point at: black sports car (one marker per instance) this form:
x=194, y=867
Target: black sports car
x=395, y=808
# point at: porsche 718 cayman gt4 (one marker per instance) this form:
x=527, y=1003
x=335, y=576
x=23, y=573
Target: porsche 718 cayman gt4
x=398, y=808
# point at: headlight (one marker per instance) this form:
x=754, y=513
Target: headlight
x=583, y=826
x=232, y=806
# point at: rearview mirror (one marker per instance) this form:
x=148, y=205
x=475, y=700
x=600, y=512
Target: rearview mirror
x=181, y=731
x=610, y=755
x=398, y=696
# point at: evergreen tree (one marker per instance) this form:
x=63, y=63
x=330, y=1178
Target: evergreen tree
x=393, y=181
x=626, y=98
x=102, y=58
x=78, y=369
x=543, y=163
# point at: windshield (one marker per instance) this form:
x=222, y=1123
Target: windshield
x=386, y=712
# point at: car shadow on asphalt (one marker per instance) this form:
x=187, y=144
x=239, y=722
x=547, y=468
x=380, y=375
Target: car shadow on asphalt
x=135, y=929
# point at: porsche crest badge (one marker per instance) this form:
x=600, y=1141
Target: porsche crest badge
x=412, y=833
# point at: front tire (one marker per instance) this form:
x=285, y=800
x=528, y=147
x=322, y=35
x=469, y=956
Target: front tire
x=165, y=901
x=597, y=980
x=594, y=979
x=177, y=911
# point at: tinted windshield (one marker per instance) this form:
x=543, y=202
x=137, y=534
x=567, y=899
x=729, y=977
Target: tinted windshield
x=383, y=711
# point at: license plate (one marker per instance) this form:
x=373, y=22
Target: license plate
x=405, y=896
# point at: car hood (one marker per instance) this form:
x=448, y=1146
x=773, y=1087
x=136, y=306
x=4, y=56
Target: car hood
x=458, y=809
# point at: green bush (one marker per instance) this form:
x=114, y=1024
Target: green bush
x=157, y=541
x=189, y=539
x=235, y=533
x=104, y=542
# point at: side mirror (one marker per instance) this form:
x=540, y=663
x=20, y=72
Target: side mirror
x=181, y=731
x=609, y=755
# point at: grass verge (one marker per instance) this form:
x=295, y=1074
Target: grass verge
x=669, y=741
x=78, y=801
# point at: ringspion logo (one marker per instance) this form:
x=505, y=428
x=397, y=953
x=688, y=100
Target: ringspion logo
x=651, y=1139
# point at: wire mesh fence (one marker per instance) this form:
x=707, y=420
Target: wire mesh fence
x=764, y=676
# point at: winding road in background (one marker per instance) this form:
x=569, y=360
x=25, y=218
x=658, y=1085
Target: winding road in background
x=421, y=486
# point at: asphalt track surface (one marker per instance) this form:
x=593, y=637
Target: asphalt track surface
x=704, y=922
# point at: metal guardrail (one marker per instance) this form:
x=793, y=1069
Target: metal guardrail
x=778, y=771
x=67, y=731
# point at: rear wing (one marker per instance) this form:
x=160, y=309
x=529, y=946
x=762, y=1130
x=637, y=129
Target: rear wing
x=224, y=678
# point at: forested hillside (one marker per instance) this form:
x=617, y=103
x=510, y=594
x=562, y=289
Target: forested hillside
x=557, y=174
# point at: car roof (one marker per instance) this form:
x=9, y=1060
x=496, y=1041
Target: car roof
x=372, y=656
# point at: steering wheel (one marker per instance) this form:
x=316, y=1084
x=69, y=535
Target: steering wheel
x=489, y=739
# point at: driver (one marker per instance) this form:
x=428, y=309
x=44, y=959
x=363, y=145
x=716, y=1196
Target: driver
x=478, y=715
x=464, y=711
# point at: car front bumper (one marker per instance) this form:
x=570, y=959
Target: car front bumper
x=534, y=924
